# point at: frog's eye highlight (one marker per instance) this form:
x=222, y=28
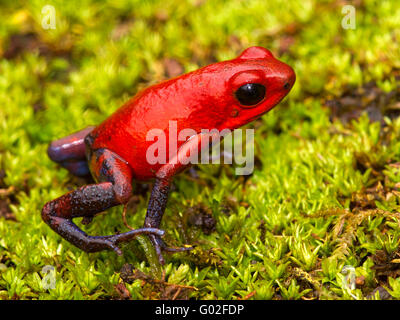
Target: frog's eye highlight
x=250, y=94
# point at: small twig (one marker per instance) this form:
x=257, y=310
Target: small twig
x=163, y=275
x=248, y=296
x=339, y=227
x=6, y=192
x=124, y=217
x=308, y=299
x=172, y=284
x=177, y=293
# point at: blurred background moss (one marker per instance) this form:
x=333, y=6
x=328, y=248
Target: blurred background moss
x=324, y=193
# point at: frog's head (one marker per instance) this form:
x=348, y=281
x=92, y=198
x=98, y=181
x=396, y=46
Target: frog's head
x=255, y=83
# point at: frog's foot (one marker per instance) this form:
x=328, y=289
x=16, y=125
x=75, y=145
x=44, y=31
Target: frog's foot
x=98, y=243
x=159, y=246
x=111, y=242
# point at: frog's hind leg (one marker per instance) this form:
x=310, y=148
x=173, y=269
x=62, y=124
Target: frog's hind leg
x=70, y=151
x=114, y=188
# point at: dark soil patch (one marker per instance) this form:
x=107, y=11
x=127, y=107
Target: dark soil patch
x=201, y=217
x=366, y=198
x=19, y=43
x=368, y=98
x=6, y=198
x=5, y=210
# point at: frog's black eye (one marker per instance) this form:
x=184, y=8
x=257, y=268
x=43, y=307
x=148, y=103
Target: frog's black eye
x=250, y=94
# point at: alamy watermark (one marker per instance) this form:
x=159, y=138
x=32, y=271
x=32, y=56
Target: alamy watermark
x=201, y=148
x=49, y=278
x=349, y=20
x=349, y=280
x=48, y=17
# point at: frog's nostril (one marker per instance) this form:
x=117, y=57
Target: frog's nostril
x=290, y=80
x=286, y=86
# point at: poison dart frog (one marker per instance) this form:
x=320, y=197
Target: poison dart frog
x=223, y=95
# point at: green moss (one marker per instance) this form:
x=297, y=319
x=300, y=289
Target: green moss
x=323, y=195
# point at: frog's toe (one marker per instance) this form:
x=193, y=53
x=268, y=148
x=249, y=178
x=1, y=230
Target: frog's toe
x=112, y=241
x=157, y=244
x=160, y=245
x=114, y=247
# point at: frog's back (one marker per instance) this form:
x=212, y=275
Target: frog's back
x=124, y=133
x=158, y=107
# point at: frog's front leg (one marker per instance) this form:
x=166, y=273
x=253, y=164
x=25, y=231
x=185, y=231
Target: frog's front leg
x=159, y=194
x=155, y=212
x=114, y=188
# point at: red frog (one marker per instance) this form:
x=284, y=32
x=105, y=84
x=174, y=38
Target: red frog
x=224, y=95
